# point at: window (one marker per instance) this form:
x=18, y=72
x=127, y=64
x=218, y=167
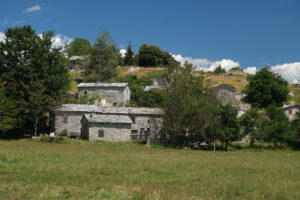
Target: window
x=65, y=119
x=85, y=92
x=290, y=111
x=114, y=104
x=100, y=133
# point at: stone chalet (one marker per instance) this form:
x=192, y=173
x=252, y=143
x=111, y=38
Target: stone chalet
x=106, y=127
x=143, y=121
x=117, y=93
x=291, y=110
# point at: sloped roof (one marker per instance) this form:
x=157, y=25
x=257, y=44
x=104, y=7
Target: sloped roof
x=291, y=106
x=132, y=110
x=226, y=86
x=120, y=119
x=79, y=108
x=98, y=84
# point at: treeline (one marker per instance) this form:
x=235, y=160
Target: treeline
x=193, y=113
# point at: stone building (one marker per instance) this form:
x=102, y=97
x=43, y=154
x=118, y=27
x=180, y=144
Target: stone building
x=106, y=127
x=291, y=110
x=143, y=120
x=226, y=94
x=68, y=116
x=117, y=93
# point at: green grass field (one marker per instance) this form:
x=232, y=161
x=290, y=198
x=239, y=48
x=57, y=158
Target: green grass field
x=97, y=170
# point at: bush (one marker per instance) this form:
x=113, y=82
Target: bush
x=64, y=133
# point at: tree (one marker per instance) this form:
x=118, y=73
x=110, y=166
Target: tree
x=230, y=125
x=129, y=56
x=219, y=70
x=279, y=128
x=28, y=62
x=265, y=88
x=296, y=128
x=9, y=112
x=104, y=59
x=150, y=55
x=79, y=47
x=183, y=121
x=254, y=123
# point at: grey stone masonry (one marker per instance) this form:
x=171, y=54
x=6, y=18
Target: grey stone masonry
x=117, y=93
x=68, y=117
x=98, y=127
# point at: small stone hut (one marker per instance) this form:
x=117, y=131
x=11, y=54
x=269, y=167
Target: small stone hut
x=106, y=127
x=117, y=93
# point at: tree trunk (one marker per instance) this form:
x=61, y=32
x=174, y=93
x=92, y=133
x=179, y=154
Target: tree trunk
x=36, y=121
x=214, y=142
x=226, y=145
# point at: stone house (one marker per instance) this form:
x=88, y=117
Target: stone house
x=291, y=110
x=106, y=127
x=143, y=120
x=117, y=93
x=68, y=116
x=226, y=94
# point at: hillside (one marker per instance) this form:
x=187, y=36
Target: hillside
x=238, y=81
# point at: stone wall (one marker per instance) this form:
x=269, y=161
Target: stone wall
x=118, y=96
x=112, y=132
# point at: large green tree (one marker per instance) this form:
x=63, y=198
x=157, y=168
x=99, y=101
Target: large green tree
x=230, y=125
x=183, y=119
x=265, y=88
x=150, y=55
x=79, y=47
x=32, y=71
x=104, y=59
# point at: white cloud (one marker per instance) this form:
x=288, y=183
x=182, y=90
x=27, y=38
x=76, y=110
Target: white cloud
x=123, y=52
x=226, y=64
x=289, y=71
x=32, y=9
x=250, y=70
x=199, y=62
x=60, y=41
x=205, y=64
x=2, y=37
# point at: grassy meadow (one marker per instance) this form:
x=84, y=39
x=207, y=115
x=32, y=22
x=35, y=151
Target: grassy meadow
x=98, y=170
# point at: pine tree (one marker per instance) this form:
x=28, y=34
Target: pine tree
x=129, y=56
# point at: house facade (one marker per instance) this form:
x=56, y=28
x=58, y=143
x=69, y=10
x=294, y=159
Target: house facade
x=117, y=93
x=143, y=120
x=106, y=127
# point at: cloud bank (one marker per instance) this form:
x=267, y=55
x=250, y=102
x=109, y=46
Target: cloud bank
x=205, y=64
x=32, y=9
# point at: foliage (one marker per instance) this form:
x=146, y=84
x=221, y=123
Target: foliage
x=104, y=59
x=78, y=47
x=35, y=74
x=236, y=69
x=279, y=129
x=230, y=125
x=219, y=70
x=129, y=56
x=150, y=55
x=254, y=123
x=265, y=88
x=183, y=120
x=9, y=112
x=64, y=133
x=296, y=128
x=139, y=97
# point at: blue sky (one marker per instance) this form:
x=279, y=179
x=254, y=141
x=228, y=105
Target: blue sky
x=248, y=33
